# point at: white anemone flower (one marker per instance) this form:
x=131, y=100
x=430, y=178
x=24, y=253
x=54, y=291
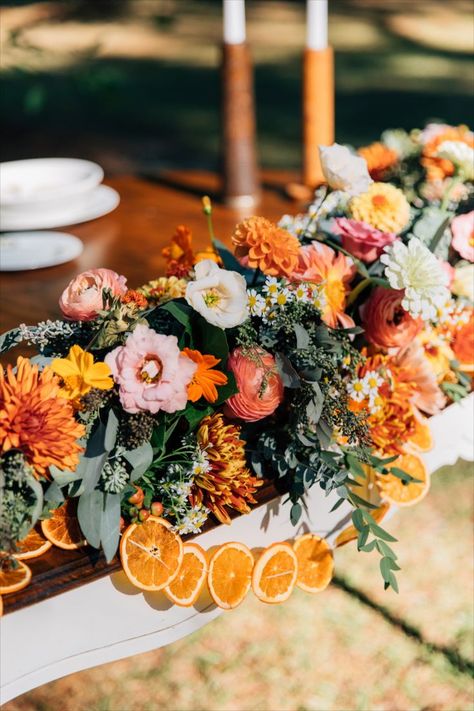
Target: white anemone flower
x=461, y=155
x=220, y=296
x=344, y=170
x=420, y=274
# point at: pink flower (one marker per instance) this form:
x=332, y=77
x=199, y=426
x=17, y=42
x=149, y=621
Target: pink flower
x=385, y=321
x=320, y=264
x=260, y=386
x=151, y=372
x=462, y=228
x=362, y=240
x=81, y=300
x=448, y=270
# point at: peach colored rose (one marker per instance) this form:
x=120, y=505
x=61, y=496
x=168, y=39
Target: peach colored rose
x=361, y=240
x=260, y=386
x=462, y=228
x=81, y=300
x=386, y=323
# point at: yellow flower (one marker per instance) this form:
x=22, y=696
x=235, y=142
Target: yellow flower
x=163, y=289
x=80, y=374
x=383, y=206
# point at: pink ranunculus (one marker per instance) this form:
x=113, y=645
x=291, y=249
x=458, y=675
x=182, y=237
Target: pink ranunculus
x=260, y=386
x=362, y=240
x=151, y=372
x=82, y=299
x=385, y=321
x=462, y=228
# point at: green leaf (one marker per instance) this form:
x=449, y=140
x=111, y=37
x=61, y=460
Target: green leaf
x=302, y=337
x=194, y=414
x=385, y=549
x=224, y=392
x=295, y=513
x=404, y=476
x=54, y=495
x=110, y=525
x=369, y=547
x=140, y=459
x=362, y=537
x=288, y=374
x=358, y=519
x=111, y=431
x=63, y=477
x=355, y=466
x=381, y=533
x=181, y=312
x=211, y=339
x=9, y=339
x=89, y=513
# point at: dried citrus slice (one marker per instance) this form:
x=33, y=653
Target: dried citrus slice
x=274, y=573
x=230, y=574
x=422, y=439
x=32, y=546
x=315, y=562
x=15, y=578
x=351, y=533
x=185, y=588
x=366, y=488
x=151, y=553
x=63, y=529
x=1, y=606
x=398, y=492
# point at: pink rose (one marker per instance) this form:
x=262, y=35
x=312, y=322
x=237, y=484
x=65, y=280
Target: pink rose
x=260, y=386
x=151, y=372
x=385, y=321
x=81, y=300
x=462, y=228
x=361, y=240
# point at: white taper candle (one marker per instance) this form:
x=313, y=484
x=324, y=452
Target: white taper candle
x=234, y=21
x=316, y=24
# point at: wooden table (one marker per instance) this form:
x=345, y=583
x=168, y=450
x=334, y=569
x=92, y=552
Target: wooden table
x=130, y=239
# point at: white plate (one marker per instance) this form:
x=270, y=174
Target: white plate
x=100, y=201
x=34, y=250
x=42, y=180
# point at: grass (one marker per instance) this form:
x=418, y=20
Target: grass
x=331, y=652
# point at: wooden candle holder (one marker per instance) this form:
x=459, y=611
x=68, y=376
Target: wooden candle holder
x=318, y=111
x=241, y=187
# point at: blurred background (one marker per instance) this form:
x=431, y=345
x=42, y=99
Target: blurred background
x=134, y=85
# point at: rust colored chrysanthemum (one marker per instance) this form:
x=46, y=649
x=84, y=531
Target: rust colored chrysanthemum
x=136, y=298
x=36, y=420
x=379, y=158
x=261, y=244
x=227, y=482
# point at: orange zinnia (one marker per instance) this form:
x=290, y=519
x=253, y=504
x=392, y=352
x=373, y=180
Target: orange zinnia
x=379, y=158
x=260, y=244
x=205, y=379
x=179, y=254
x=36, y=420
x=463, y=346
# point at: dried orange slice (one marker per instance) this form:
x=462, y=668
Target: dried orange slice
x=351, y=533
x=422, y=439
x=230, y=574
x=151, y=553
x=15, y=578
x=1, y=606
x=63, y=529
x=32, y=546
x=396, y=491
x=185, y=588
x=274, y=574
x=315, y=563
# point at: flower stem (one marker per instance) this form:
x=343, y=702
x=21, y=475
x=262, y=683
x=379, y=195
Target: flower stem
x=454, y=181
x=358, y=290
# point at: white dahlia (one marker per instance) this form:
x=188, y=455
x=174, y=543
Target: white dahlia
x=419, y=273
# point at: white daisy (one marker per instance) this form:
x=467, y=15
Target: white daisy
x=271, y=286
x=415, y=269
x=357, y=390
x=256, y=303
x=372, y=381
x=302, y=293
x=282, y=297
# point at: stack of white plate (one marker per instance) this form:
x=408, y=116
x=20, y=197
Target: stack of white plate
x=42, y=194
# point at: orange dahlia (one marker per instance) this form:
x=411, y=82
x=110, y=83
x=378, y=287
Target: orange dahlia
x=36, y=420
x=260, y=244
x=379, y=158
x=179, y=254
x=439, y=168
x=227, y=482
x=205, y=378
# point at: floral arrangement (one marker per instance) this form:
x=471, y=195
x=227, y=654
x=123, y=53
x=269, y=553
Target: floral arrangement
x=310, y=355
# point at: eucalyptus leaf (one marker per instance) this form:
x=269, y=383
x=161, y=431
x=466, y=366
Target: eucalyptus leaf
x=295, y=513
x=53, y=494
x=140, y=459
x=302, y=337
x=110, y=525
x=111, y=430
x=288, y=374
x=89, y=514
